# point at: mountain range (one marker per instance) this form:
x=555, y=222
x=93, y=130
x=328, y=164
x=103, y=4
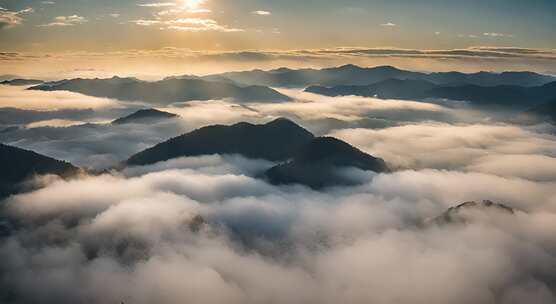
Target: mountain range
x=354, y=75
x=21, y=82
x=524, y=89
x=18, y=165
x=163, y=92
x=502, y=95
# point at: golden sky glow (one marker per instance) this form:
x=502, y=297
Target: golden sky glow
x=213, y=35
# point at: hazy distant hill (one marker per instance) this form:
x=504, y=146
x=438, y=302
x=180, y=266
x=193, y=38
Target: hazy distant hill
x=19, y=164
x=547, y=109
x=145, y=116
x=21, y=82
x=540, y=113
x=276, y=140
x=354, y=75
x=165, y=91
x=316, y=164
x=506, y=95
x=391, y=88
x=498, y=95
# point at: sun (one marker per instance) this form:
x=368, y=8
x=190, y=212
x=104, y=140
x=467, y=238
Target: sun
x=193, y=4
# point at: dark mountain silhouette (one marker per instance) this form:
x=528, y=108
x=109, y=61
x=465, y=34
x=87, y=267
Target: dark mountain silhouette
x=316, y=163
x=388, y=89
x=276, y=140
x=462, y=213
x=145, y=116
x=354, y=75
x=498, y=95
x=21, y=82
x=545, y=110
x=507, y=95
x=18, y=165
x=488, y=79
x=163, y=92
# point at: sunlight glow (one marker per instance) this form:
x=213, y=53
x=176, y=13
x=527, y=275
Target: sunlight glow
x=193, y=4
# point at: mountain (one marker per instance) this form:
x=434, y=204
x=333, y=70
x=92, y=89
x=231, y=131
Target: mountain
x=387, y=89
x=145, y=116
x=21, y=82
x=163, y=92
x=498, y=95
x=354, y=75
x=506, y=95
x=489, y=79
x=275, y=141
x=19, y=165
x=463, y=213
x=547, y=110
x=541, y=113
x=315, y=164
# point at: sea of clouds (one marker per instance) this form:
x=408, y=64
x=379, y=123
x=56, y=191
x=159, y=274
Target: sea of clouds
x=207, y=230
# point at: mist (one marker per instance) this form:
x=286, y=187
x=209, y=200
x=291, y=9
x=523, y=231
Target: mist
x=209, y=229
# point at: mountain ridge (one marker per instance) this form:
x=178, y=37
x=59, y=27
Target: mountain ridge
x=163, y=92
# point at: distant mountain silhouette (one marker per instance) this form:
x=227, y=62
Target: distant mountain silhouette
x=165, y=91
x=507, y=95
x=498, y=95
x=145, y=116
x=353, y=75
x=19, y=165
x=389, y=89
x=21, y=82
x=275, y=141
x=316, y=164
x=545, y=112
x=461, y=214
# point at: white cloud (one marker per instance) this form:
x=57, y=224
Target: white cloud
x=66, y=21
x=388, y=24
x=189, y=24
x=261, y=13
x=10, y=19
x=158, y=4
x=492, y=34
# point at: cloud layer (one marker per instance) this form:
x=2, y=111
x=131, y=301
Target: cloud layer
x=209, y=230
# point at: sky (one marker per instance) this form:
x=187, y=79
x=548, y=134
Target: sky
x=110, y=28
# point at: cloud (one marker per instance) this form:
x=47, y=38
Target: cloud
x=9, y=19
x=19, y=97
x=140, y=239
x=475, y=147
x=189, y=25
x=158, y=4
x=346, y=244
x=388, y=24
x=158, y=63
x=492, y=34
x=65, y=21
x=261, y=13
